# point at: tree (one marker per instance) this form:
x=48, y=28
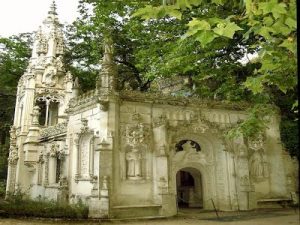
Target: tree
x=14, y=55
x=270, y=27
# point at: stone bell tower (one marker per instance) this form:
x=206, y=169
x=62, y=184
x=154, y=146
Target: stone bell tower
x=44, y=91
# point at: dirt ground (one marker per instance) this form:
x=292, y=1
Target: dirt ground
x=185, y=217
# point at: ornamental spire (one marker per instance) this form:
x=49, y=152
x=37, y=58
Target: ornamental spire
x=52, y=10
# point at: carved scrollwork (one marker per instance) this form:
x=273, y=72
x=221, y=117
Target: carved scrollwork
x=13, y=155
x=58, y=129
x=160, y=121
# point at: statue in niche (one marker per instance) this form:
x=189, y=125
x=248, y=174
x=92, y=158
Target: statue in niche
x=35, y=115
x=59, y=63
x=134, y=158
x=108, y=50
x=41, y=60
x=257, y=162
x=49, y=77
x=135, y=138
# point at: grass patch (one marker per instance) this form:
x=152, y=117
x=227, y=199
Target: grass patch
x=18, y=205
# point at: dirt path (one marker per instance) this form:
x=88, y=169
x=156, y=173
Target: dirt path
x=266, y=217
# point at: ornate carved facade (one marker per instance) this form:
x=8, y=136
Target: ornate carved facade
x=127, y=153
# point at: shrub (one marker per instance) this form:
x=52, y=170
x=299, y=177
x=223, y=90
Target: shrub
x=18, y=205
x=2, y=188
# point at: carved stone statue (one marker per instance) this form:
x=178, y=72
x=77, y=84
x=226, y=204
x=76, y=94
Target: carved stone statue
x=59, y=63
x=35, y=115
x=133, y=159
x=108, y=51
x=257, y=163
x=49, y=77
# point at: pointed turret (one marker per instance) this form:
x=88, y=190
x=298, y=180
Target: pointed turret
x=48, y=41
x=52, y=10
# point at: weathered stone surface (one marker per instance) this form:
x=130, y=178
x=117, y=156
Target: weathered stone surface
x=131, y=154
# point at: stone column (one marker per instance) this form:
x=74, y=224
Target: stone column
x=46, y=174
x=77, y=156
x=11, y=176
x=52, y=168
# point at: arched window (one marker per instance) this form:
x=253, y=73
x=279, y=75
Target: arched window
x=48, y=110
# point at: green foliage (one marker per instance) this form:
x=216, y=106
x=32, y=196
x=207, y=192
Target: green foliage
x=14, y=54
x=18, y=205
x=266, y=27
x=289, y=131
x=257, y=121
x=2, y=189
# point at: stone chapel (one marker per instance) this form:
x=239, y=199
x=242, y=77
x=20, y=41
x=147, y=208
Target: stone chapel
x=132, y=154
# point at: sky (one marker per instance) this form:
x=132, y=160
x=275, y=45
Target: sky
x=20, y=16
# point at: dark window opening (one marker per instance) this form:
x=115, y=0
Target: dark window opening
x=58, y=166
x=48, y=112
x=194, y=144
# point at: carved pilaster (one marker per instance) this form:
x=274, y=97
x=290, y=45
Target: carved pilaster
x=46, y=178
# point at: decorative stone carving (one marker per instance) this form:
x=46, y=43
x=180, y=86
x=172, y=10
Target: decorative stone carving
x=58, y=129
x=136, y=117
x=42, y=45
x=84, y=128
x=103, y=105
x=60, y=48
x=13, y=155
x=35, y=115
x=54, y=150
x=160, y=121
x=13, y=135
x=59, y=63
x=41, y=61
x=188, y=147
x=46, y=179
x=257, y=161
x=135, y=136
x=50, y=76
x=68, y=77
x=159, y=98
x=88, y=99
x=134, y=167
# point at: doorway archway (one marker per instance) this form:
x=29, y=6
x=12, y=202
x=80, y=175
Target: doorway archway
x=189, y=188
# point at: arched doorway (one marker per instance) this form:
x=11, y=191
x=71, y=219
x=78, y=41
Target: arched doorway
x=189, y=188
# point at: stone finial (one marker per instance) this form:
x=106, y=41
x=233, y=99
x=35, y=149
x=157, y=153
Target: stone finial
x=52, y=10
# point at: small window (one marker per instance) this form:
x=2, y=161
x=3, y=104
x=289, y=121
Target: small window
x=48, y=111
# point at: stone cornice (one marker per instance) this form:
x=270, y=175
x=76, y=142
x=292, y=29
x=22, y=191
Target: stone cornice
x=158, y=98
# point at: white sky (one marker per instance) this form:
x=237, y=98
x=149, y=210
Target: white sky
x=20, y=16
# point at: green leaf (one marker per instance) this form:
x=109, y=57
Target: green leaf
x=268, y=21
x=183, y=4
x=226, y=30
x=265, y=32
x=255, y=84
x=172, y=11
x=199, y=24
x=272, y=6
x=147, y=12
x=291, y=23
x=289, y=44
x=218, y=2
x=281, y=28
x=195, y=2
x=205, y=37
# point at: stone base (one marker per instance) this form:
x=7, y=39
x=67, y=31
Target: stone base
x=98, y=208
